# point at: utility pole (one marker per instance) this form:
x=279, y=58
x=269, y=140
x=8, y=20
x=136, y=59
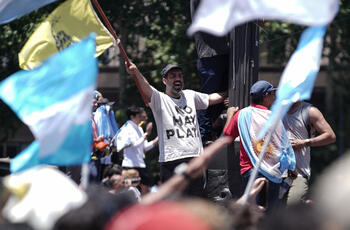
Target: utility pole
x=244, y=66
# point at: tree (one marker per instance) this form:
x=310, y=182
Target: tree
x=153, y=33
x=13, y=37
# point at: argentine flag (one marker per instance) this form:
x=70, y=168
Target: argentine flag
x=55, y=101
x=299, y=76
x=279, y=155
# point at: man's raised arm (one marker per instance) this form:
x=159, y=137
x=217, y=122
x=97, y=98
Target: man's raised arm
x=145, y=87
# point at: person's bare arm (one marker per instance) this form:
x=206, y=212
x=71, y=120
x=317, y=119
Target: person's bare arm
x=155, y=141
x=230, y=112
x=257, y=186
x=175, y=184
x=145, y=87
x=195, y=168
x=216, y=98
x=199, y=164
x=326, y=134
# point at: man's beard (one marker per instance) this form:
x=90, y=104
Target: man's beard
x=176, y=91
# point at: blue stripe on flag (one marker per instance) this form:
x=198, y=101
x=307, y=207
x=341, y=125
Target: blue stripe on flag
x=28, y=158
x=311, y=34
x=12, y=9
x=35, y=95
x=74, y=148
x=73, y=151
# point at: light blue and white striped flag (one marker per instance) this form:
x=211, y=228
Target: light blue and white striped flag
x=279, y=155
x=299, y=76
x=55, y=101
x=12, y=9
x=220, y=17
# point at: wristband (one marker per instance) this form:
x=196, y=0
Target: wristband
x=307, y=142
x=181, y=170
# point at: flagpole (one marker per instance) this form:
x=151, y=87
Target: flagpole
x=84, y=175
x=257, y=166
x=121, y=48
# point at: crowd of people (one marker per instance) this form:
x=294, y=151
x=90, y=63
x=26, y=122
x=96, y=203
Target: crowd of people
x=119, y=195
x=122, y=194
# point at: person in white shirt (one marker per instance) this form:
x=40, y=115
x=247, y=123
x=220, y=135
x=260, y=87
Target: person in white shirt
x=176, y=118
x=133, y=141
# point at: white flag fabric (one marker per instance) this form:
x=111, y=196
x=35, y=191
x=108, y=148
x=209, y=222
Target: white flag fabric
x=299, y=76
x=40, y=196
x=220, y=17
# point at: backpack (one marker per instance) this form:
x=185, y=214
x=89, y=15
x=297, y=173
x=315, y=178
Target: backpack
x=305, y=117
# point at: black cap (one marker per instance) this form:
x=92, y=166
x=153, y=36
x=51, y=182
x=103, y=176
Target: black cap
x=169, y=67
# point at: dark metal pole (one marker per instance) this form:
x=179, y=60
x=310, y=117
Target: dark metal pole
x=244, y=66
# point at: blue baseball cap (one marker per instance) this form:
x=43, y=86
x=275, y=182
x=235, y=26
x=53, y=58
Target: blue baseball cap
x=260, y=88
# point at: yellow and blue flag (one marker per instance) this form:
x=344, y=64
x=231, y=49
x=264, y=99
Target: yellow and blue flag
x=55, y=101
x=12, y=9
x=68, y=23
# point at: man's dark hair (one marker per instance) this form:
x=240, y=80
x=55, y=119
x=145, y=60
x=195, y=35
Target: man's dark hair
x=133, y=111
x=112, y=169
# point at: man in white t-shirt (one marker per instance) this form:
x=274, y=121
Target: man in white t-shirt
x=175, y=115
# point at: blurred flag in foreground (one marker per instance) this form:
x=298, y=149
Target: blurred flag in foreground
x=40, y=196
x=55, y=101
x=219, y=18
x=12, y=9
x=299, y=76
x=68, y=23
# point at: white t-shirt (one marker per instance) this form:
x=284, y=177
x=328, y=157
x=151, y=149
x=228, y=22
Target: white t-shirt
x=132, y=135
x=177, y=124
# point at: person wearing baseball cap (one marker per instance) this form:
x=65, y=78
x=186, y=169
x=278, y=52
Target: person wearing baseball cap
x=261, y=89
x=246, y=123
x=176, y=119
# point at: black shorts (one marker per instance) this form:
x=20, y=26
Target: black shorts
x=196, y=186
